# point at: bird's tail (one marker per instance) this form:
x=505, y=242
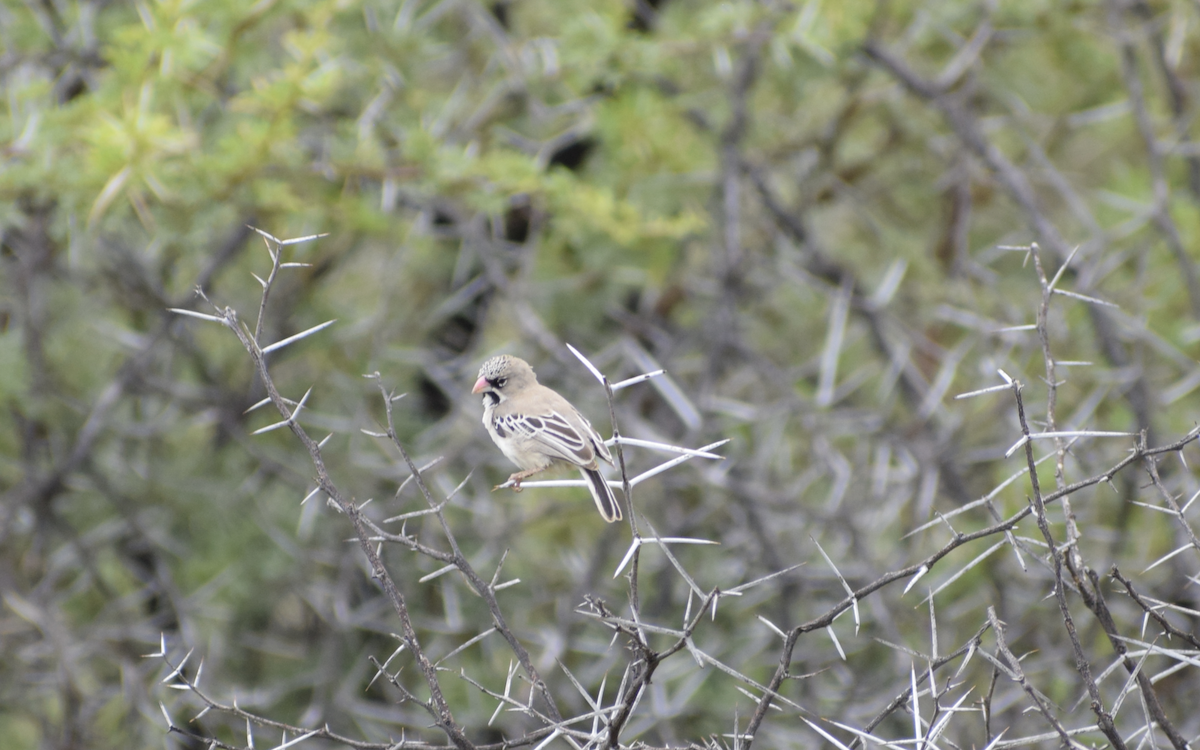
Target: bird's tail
x=606, y=502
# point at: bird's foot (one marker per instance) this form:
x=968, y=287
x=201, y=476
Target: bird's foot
x=514, y=482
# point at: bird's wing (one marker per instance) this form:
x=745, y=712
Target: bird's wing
x=593, y=436
x=553, y=433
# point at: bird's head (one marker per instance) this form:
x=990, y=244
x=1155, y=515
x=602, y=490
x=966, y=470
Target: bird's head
x=503, y=375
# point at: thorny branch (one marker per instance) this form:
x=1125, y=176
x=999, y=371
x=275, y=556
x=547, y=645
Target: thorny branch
x=1081, y=663
x=782, y=671
x=1154, y=609
x=1012, y=666
x=484, y=589
x=1087, y=582
x=444, y=716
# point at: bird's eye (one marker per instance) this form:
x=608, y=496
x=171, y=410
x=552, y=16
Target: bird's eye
x=501, y=382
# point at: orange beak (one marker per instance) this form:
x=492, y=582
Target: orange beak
x=480, y=385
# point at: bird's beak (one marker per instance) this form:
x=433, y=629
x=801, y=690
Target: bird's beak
x=480, y=385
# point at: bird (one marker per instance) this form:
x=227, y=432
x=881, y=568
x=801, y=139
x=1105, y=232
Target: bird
x=537, y=428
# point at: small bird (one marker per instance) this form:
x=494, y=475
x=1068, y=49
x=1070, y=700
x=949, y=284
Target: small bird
x=537, y=428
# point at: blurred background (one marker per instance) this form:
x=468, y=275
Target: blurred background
x=803, y=211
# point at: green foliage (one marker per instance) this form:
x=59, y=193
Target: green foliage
x=508, y=176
